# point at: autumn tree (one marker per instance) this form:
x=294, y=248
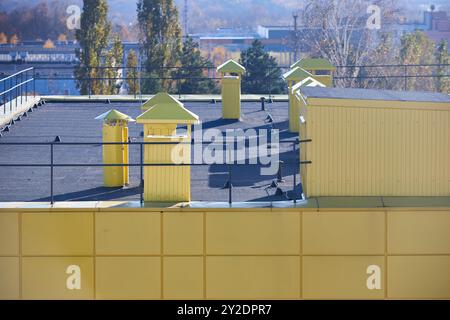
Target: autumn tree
x=443, y=59
x=417, y=49
x=99, y=64
x=3, y=38
x=160, y=37
x=48, y=44
x=192, y=76
x=262, y=74
x=133, y=74
x=14, y=39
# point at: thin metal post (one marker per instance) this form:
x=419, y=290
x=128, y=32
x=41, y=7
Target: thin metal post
x=295, y=175
x=51, y=174
x=142, y=172
x=134, y=81
x=230, y=186
x=21, y=89
x=230, y=183
x=406, y=77
x=34, y=83
x=26, y=86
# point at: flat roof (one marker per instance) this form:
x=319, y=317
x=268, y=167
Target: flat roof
x=75, y=122
x=372, y=94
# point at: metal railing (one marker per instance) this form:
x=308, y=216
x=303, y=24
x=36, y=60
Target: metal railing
x=15, y=88
x=395, y=76
x=52, y=165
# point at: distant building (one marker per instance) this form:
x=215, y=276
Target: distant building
x=34, y=52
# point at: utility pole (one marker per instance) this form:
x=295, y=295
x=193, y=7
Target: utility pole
x=186, y=18
x=296, y=38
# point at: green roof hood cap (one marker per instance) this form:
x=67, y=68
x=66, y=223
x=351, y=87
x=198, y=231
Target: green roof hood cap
x=296, y=73
x=231, y=66
x=114, y=115
x=314, y=64
x=159, y=98
x=168, y=113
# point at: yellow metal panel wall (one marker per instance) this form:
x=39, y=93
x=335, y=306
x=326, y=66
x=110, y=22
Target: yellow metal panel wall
x=231, y=98
x=378, y=151
x=340, y=277
x=57, y=233
x=419, y=277
x=46, y=278
x=9, y=278
x=183, y=233
x=9, y=234
x=422, y=232
x=252, y=233
x=253, y=277
x=132, y=233
x=232, y=254
x=333, y=233
x=183, y=278
x=128, y=278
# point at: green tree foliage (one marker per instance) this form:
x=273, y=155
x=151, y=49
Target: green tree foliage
x=262, y=73
x=192, y=76
x=113, y=62
x=93, y=37
x=442, y=57
x=132, y=73
x=160, y=36
x=99, y=66
x=417, y=48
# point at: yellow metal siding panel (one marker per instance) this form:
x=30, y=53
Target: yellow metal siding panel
x=183, y=278
x=132, y=233
x=253, y=278
x=9, y=234
x=375, y=151
x=166, y=184
x=253, y=233
x=183, y=233
x=419, y=277
x=9, y=278
x=231, y=98
x=423, y=232
x=128, y=278
x=57, y=233
x=340, y=277
x=333, y=233
x=46, y=278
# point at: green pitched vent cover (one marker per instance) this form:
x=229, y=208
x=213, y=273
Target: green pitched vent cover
x=231, y=66
x=114, y=116
x=296, y=74
x=159, y=98
x=168, y=112
x=314, y=64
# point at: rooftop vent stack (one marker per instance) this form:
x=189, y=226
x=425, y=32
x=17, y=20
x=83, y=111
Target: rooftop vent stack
x=165, y=183
x=231, y=89
x=115, y=130
x=321, y=69
x=293, y=77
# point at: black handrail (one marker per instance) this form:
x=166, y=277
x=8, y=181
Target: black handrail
x=141, y=164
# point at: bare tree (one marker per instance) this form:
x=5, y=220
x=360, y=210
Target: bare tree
x=338, y=31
